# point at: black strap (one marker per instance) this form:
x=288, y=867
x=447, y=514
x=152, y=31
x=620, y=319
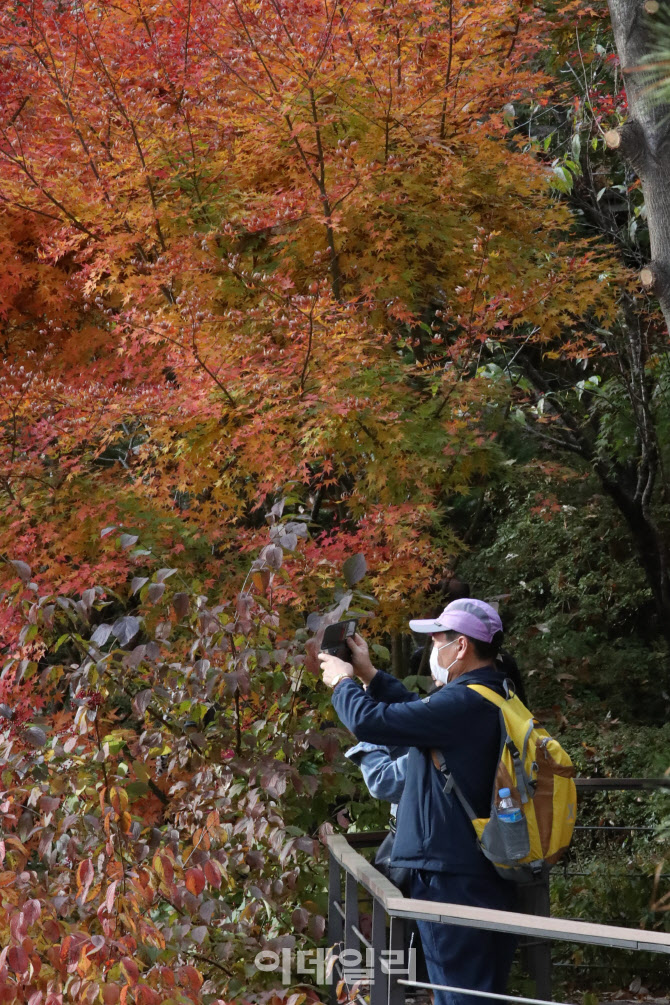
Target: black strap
x=450, y=783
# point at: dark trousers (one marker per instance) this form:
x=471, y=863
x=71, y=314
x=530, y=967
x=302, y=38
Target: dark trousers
x=465, y=957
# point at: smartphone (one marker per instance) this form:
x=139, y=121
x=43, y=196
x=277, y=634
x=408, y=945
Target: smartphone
x=335, y=636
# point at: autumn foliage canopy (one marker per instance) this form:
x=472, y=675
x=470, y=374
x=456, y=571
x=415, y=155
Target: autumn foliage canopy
x=256, y=257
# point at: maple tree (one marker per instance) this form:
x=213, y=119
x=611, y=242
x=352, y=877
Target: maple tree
x=283, y=237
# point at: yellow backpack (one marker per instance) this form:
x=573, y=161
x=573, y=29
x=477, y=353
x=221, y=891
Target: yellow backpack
x=540, y=777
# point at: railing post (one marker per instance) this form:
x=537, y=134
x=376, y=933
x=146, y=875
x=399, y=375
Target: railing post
x=379, y=989
x=537, y=901
x=350, y=911
x=335, y=926
x=396, y=992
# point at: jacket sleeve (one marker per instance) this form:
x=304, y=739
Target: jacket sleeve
x=383, y=775
x=440, y=721
x=383, y=687
x=355, y=753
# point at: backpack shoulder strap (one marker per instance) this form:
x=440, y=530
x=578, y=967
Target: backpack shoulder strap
x=524, y=784
x=490, y=694
x=450, y=783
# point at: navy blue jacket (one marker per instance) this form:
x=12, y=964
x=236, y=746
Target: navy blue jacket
x=434, y=832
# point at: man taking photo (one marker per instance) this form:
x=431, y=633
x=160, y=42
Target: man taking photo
x=435, y=840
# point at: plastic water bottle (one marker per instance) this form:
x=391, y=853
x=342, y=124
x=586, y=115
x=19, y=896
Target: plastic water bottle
x=509, y=810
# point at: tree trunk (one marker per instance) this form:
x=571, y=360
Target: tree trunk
x=396, y=655
x=650, y=548
x=644, y=140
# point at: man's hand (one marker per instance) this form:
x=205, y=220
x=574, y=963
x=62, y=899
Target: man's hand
x=333, y=668
x=360, y=657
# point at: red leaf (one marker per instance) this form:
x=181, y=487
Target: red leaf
x=299, y=919
x=147, y=996
x=109, y=896
x=130, y=970
x=181, y=604
x=213, y=874
x=18, y=927
x=190, y=977
x=17, y=958
x=85, y=873
x=32, y=910
x=195, y=881
x=48, y=803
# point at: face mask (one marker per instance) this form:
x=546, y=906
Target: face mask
x=439, y=673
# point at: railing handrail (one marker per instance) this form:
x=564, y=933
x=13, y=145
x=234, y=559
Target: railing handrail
x=396, y=905
x=610, y=784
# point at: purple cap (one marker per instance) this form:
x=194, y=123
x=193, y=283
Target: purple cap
x=470, y=617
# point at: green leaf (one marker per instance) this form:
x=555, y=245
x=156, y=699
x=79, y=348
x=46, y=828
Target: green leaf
x=136, y=789
x=418, y=682
x=562, y=179
x=30, y=634
x=354, y=569
x=576, y=146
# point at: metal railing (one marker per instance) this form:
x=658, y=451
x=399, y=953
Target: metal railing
x=391, y=910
